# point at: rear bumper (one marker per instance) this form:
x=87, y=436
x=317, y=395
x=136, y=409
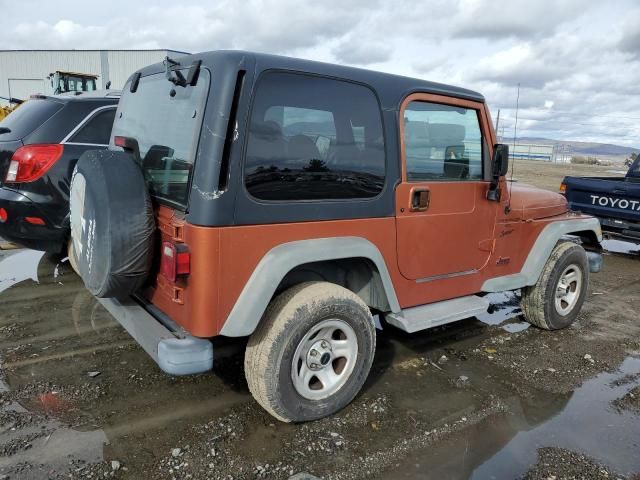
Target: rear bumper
x=47, y=237
x=175, y=351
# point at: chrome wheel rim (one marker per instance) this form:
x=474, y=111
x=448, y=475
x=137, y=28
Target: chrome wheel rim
x=568, y=289
x=324, y=359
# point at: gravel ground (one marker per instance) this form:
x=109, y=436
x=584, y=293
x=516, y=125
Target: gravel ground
x=484, y=398
x=560, y=464
x=630, y=401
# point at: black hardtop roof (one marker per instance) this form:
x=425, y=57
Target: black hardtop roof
x=391, y=88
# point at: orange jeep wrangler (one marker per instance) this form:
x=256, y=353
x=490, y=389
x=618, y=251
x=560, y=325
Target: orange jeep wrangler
x=291, y=201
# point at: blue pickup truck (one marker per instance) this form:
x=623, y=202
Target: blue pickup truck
x=614, y=200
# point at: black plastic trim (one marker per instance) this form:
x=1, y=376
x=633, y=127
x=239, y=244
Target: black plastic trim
x=135, y=80
x=223, y=176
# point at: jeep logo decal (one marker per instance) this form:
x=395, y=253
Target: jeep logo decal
x=615, y=202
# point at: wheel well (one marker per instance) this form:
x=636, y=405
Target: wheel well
x=588, y=238
x=360, y=275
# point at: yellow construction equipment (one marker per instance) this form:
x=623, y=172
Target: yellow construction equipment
x=6, y=110
x=63, y=82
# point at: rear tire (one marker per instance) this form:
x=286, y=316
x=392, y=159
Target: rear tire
x=556, y=299
x=311, y=353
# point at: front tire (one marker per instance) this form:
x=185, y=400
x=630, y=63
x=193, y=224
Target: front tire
x=311, y=353
x=556, y=299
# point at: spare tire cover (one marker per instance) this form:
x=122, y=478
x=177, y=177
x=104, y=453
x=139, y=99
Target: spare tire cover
x=112, y=223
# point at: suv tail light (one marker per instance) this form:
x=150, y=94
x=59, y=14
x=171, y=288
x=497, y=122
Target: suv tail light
x=175, y=261
x=30, y=162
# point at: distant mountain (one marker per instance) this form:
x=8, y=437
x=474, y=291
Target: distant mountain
x=584, y=148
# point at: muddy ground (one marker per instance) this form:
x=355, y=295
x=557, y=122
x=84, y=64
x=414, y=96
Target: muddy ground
x=483, y=398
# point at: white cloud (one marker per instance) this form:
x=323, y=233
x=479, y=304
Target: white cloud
x=357, y=53
x=576, y=60
x=630, y=40
x=514, y=18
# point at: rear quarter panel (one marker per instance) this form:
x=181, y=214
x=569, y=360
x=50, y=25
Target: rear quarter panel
x=224, y=258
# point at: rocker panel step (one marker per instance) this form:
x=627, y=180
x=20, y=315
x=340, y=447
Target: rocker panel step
x=432, y=315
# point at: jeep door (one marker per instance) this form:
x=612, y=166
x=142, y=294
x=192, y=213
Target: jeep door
x=444, y=223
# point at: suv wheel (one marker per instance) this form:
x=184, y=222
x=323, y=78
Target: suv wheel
x=311, y=353
x=556, y=299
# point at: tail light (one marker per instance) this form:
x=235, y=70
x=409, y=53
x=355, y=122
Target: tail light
x=3, y=215
x=30, y=162
x=563, y=188
x=34, y=220
x=175, y=261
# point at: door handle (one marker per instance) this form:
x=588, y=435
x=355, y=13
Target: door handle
x=420, y=197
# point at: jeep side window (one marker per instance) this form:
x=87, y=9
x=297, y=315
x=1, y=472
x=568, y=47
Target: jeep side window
x=313, y=138
x=442, y=142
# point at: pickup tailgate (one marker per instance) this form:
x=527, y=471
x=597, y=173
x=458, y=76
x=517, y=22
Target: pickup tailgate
x=604, y=197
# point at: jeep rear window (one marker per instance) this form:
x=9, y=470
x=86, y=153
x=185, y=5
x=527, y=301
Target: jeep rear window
x=314, y=138
x=28, y=117
x=165, y=120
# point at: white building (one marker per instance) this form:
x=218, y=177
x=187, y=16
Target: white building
x=531, y=151
x=23, y=72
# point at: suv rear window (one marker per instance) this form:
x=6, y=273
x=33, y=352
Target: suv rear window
x=165, y=120
x=28, y=117
x=97, y=130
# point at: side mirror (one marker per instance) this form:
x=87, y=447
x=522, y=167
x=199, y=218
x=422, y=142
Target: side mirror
x=499, y=168
x=500, y=161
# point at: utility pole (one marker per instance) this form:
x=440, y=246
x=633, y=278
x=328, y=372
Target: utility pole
x=497, y=121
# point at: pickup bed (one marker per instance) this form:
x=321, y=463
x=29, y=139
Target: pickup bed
x=614, y=200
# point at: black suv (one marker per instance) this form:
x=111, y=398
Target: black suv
x=40, y=143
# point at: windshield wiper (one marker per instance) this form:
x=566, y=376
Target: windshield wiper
x=179, y=79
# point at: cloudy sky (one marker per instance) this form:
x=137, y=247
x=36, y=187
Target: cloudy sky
x=577, y=61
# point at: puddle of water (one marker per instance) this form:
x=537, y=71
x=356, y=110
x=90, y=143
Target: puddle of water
x=504, y=306
x=54, y=449
x=54, y=443
x=18, y=267
x=505, y=446
x=516, y=327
